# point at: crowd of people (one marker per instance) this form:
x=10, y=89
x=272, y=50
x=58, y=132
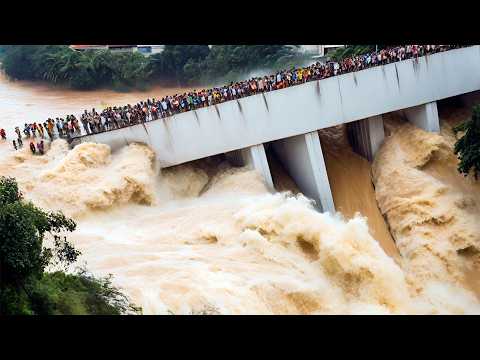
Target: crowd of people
x=33, y=132
x=152, y=109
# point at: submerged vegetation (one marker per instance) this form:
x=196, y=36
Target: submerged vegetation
x=179, y=64
x=26, y=287
x=468, y=146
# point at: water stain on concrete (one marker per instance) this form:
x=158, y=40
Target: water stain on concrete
x=167, y=130
x=196, y=117
x=143, y=124
x=340, y=93
x=240, y=107
x=265, y=101
x=218, y=112
x=398, y=78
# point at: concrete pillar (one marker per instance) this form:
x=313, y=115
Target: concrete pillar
x=303, y=158
x=424, y=116
x=366, y=136
x=255, y=158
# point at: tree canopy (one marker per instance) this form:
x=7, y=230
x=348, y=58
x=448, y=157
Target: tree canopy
x=170, y=63
x=89, y=69
x=235, y=62
x=179, y=64
x=25, y=285
x=467, y=148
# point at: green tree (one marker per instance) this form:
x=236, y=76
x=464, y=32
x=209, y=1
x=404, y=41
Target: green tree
x=182, y=64
x=467, y=148
x=23, y=227
x=233, y=62
x=169, y=64
x=104, y=66
x=89, y=69
x=131, y=69
x=25, y=286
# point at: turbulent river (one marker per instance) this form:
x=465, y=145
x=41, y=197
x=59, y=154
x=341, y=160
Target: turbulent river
x=206, y=237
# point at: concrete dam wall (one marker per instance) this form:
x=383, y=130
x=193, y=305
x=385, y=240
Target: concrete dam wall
x=304, y=108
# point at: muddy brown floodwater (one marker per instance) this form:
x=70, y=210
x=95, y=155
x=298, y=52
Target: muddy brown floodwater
x=27, y=102
x=207, y=237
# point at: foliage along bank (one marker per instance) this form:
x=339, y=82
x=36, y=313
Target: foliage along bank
x=177, y=64
x=467, y=147
x=26, y=287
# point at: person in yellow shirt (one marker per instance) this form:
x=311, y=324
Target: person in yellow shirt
x=216, y=96
x=299, y=75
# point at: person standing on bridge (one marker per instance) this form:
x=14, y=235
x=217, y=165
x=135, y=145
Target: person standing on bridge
x=83, y=119
x=40, y=147
x=17, y=130
x=154, y=112
x=59, y=127
x=32, y=148
x=76, y=125
x=33, y=127
x=40, y=130
x=49, y=131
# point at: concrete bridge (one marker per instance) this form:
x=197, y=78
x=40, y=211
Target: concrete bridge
x=288, y=119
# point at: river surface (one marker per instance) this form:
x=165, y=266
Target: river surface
x=206, y=237
x=27, y=102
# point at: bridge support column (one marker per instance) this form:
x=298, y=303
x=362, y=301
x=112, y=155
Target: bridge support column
x=424, y=116
x=255, y=158
x=303, y=158
x=366, y=136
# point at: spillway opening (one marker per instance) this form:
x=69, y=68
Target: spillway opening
x=282, y=180
x=351, y=182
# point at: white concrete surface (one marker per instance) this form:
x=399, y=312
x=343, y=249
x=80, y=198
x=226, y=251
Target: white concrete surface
x=424, y=116
x=367, y=135
x=376, y=134
x=256, y=158
x=303, y=158
x=304, y=108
